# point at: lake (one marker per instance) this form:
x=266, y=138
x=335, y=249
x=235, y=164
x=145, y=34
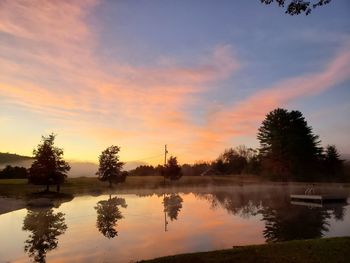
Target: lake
x=133, y=225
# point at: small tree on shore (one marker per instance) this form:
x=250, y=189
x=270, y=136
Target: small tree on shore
x=110, y=168
x=48, y=167
x=172, y=169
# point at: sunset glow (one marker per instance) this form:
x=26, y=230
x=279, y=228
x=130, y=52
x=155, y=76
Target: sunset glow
x=141, y=74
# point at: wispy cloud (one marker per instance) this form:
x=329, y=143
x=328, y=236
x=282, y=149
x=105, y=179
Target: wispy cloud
x=244, y=117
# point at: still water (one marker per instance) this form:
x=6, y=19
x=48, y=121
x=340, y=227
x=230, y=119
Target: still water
x=130, y=226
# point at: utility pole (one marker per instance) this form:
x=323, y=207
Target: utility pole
x=165, y=153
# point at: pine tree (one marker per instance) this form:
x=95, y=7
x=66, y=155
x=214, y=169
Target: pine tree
x=287, y=144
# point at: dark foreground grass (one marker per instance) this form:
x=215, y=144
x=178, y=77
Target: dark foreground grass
x=328, y=250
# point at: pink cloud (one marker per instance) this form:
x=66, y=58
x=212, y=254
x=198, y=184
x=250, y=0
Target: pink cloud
x=55, y=22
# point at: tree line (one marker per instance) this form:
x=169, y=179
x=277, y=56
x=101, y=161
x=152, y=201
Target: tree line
x=289, y=150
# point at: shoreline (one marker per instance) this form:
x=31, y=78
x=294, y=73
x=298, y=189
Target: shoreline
x=19, y=188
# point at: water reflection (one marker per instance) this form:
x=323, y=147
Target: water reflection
x=108, y=214
x=172, y=205
x=45, y=226
x=200, y=219
x=283, y=220
x=287, y=222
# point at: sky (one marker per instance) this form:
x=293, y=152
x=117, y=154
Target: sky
x=197, y=75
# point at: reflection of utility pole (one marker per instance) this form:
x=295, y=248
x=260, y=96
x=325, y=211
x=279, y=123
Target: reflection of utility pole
x=165, y=221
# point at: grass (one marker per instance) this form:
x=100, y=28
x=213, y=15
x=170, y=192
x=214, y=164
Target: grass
x=326, y=250
x=87, y=185
x=19, y=188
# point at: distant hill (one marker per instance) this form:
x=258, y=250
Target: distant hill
x=78, y=169
x=7, y=158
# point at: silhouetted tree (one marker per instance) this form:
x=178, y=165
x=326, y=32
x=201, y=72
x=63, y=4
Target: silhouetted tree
x=108, y=214
x=287, y=144
x=233, y=161
x=219, y=166
x=48, y=166
x=238, y=160
x=172, y=170
x=172, y=205
x=110, y=168
x=346, y=169
x=11, y=172
x=196, y=169
x=332, y=161
x=45, y=226
x=296, y=7
x=143, y=170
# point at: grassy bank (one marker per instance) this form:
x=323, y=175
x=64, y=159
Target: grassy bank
x=19, y=188
x=316, y=250
x=84, y=185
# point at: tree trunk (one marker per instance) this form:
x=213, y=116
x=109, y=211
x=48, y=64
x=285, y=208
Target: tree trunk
x=47, y=188
x=58, y=187
x=110, y=183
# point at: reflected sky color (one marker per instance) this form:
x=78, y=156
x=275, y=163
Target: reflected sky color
x=206, y=221
x=196, y=75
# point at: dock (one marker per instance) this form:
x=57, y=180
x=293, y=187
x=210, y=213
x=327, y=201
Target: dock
x=319, y=198
x=308, y=204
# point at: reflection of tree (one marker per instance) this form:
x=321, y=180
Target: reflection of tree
x=283, y=221
x=45, y=226
x=172, y=205
x=338, y=212
x=236, y=204
x=108, y=214
x=297, y=222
